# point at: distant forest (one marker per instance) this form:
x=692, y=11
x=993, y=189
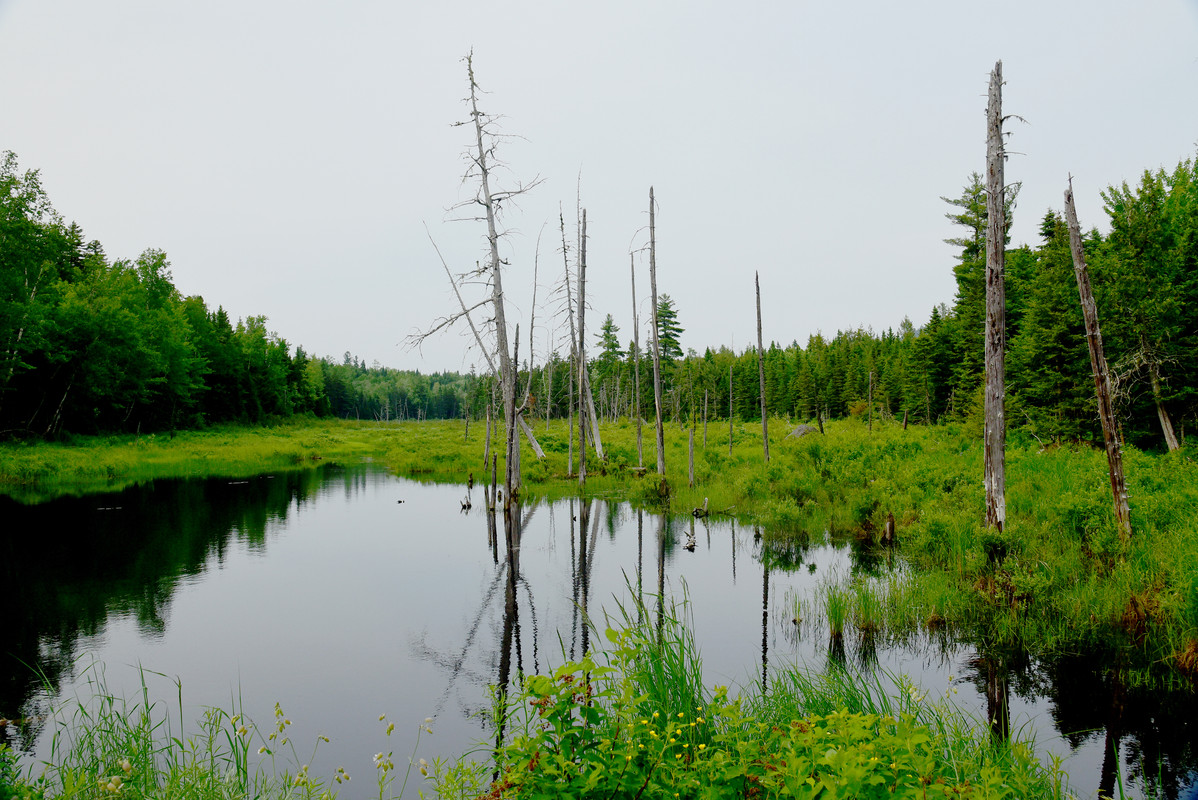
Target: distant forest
x=94, y=345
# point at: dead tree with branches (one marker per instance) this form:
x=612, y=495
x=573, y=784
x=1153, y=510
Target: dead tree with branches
x=503, y=364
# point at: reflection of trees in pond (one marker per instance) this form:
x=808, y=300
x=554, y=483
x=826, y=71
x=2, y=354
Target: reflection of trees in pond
x=1139, y=710
x=785, y=554
x=765, y=621
x=116, y=554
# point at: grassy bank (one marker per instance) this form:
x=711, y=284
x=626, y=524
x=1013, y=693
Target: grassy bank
x=1057, y=579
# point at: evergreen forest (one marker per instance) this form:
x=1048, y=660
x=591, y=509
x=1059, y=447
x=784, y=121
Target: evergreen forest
x=91, y=344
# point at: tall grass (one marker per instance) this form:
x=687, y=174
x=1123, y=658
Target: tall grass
x=107, y=746
x=604, y=727
x=837, y=606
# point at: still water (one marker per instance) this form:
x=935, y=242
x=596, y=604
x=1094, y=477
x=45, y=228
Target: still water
x=344, y=594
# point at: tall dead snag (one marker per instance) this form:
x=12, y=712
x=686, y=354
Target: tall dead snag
x=1102, y=379
x=507, y=370
x=582, y=351
x=994, y=436
x=480, y=156
x=691, y=450
x=636, y=367
x=661, y=438
x=765, y=425
x=573, y=351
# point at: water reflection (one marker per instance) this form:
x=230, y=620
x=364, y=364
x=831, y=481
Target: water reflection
x=320, y=591
x=72, y=563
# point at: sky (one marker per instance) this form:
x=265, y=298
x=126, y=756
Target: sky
x=297, y=159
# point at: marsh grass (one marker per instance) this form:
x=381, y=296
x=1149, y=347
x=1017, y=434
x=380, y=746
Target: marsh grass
x=106, y=746
x=869, y=615
x=1057, y=579
x=599, y=728
x=837, y=607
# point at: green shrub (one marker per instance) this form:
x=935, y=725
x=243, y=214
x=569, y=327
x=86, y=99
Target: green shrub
x=13, y=785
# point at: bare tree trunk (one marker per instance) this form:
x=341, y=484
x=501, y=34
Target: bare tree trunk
x=511, y=474
x=1102, y=380
x=528, y=434
x=573, y=355
x=765, y=425
x=692, y=456
x=593, y=431
x=582, y=351
x=1154, y=374
x=487, y=444
x=994, y=437
x=661, y=438
x=636, y=367
x=548, y=383
x=704, y=419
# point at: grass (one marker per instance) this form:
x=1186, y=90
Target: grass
x=105, y=746
x=837, y=604
x=1057, y=579
x=604, y=727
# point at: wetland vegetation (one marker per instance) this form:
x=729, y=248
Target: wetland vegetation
x=1057, y=584
x=110, y=349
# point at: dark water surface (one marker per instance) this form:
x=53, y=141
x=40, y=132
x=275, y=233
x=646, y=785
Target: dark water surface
x=321, y=591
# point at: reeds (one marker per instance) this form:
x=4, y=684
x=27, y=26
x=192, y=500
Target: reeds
x=103, y=745
x=837, y=606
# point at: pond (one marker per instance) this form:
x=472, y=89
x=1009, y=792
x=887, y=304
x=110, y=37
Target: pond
x=345, y=593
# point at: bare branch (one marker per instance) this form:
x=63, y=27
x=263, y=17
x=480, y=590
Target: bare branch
x=465, y=311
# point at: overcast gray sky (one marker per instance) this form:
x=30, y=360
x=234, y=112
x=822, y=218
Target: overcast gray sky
x=287, y=154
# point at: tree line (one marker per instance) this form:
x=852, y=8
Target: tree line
x=1145, y=280
x=91, y=344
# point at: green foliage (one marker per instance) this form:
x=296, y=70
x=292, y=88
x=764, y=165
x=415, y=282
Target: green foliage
x=13, y=784
x=595, y=728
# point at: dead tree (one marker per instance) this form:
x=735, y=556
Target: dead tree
x=636, y=367
x=765, y=425
x=582, y=350
x=994, y=436
x=504, y=366
x=661, y=438
x=1102, y=380
x=573, y=351
x=586, y=401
